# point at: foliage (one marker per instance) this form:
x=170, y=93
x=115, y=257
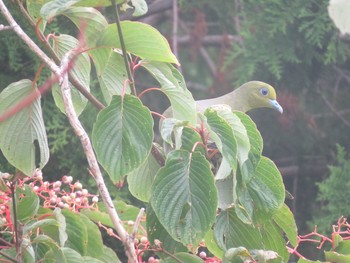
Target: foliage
x=332, y=194
x=236, y=204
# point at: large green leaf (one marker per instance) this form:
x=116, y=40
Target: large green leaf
x=27, y=203
x=248, y=139
x=90, y=22
x=225, y=140
x=182, y=257
x=140, y=180
x=23, y=137
x=155, y=231
x=285, y=220
x=122, y=136
x=230, y=231
x=94, y=241
x=273, y=240
x=45, y=245
x=81, y=71
x=111, y=72
x=184, y=196
x=140, y=39
x=266, y=189
x=125, y=212
x=33, y=8
x=76, y=231
x=183, y=106
x=55, y=7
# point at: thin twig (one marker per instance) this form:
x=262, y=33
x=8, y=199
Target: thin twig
x=5, y=28
x=15, y=223
x=175, y=27
x=332, y=109
x=6, y=242
x=93, y=165
x=8, y=257
x=203, y=53
x=122, y=43
x=137, y=222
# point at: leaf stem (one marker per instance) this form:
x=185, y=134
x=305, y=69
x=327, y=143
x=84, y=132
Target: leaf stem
x=17, y=245
x=122, y=43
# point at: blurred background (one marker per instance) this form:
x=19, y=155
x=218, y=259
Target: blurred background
x=292, y=45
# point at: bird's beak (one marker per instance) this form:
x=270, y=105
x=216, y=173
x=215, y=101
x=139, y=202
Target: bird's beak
x=275, y=105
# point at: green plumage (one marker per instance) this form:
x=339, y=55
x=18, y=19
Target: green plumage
x=251, y=95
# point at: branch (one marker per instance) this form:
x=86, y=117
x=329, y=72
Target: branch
x=26, y=39
x=4, y=28
x=94, y=168
x=122, y=43
x=175, y=27
x=205, y=55
x=214, y=40
x=332, y=109
x=57, y=60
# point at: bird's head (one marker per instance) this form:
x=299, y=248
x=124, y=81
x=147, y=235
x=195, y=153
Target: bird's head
x=260, y=95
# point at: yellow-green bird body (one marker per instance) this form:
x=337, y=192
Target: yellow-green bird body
x=251, y=95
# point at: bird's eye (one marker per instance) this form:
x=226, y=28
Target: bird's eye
x=264, y=91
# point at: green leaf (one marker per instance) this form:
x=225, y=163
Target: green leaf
x=76, y=231
x=266, y=189
x=94, y=241
x=89, y=21
x=125, y=212
x=230, y=231
x=343, y=246
x=140, y=6
x=301, y=260
x=284, y=218
x=273, y=240
x=334, y=257
x=45, y=245
x=212, y=246
x=248, y=138
x=122, y=136
x=184, y=196
x=71, y=255
x=225, y=141
x=36, y=224
x=141, y=40
x=81, y=71
x=169, y=127
x=33, y=8
x=155, y=230
x=183, y=257
x=255, y=145
x=55, y=7
x=57, y=233
x=27, y=203
x=188, y=138
x=97, y=3
x=237, y=253
x=23, y=136
x=28, y=254
x=225, y=192
x=88, y=259
x=140, y=180
x=183, y=106
x=109, y=255
x=111, y=72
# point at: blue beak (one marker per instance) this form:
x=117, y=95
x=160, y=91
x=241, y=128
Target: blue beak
x=275, y=105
